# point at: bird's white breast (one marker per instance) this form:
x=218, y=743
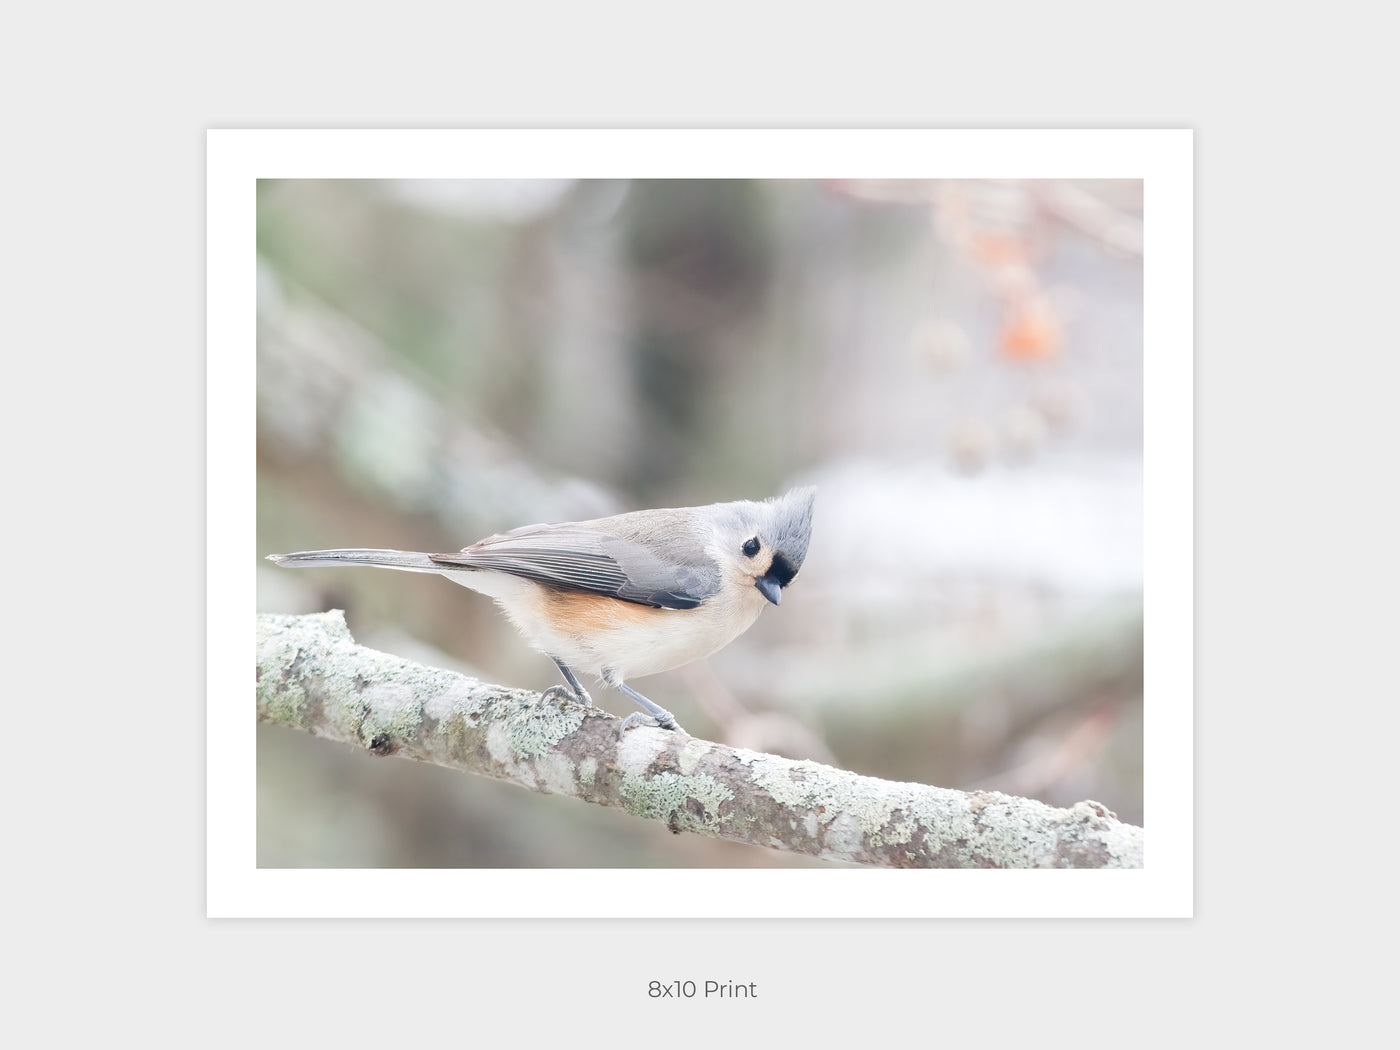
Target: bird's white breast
x=593, y=633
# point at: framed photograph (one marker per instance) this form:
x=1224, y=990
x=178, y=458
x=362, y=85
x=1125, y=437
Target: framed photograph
x=864, y=456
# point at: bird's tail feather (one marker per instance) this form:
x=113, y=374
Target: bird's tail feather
x=410, y=561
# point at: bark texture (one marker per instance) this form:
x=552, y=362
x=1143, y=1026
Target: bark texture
x=313, y=676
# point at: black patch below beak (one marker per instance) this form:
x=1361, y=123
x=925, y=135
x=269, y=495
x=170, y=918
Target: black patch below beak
x=770, y=588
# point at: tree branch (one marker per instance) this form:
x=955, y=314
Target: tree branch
x=313, y=676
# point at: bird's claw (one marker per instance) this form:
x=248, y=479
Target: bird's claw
x=563, y=692
x=641, y=718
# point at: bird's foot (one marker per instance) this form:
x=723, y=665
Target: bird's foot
x=563, y=692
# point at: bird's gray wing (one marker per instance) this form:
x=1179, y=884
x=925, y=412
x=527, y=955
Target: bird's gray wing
x=582, y=559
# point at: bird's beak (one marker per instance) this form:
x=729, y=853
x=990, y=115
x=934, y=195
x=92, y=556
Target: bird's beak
x=770, y=589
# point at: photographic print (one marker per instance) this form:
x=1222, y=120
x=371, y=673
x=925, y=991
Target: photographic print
x=801, y=523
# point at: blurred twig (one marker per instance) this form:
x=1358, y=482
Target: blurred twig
x=312, y=676
x=757, y=730
x=1119, y=232
x=1058, y=756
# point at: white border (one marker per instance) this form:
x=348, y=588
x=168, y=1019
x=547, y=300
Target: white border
x=1163, y=158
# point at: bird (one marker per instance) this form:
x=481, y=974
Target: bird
x=629, y=595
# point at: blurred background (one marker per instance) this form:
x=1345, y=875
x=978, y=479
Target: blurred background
x=956, y=365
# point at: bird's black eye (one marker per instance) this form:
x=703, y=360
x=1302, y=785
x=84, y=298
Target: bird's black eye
x=750, y=547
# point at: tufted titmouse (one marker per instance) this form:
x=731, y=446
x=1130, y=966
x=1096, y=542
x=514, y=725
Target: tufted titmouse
x=630, y=595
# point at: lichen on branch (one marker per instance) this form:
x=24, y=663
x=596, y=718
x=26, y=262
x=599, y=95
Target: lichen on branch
x=311, y=675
